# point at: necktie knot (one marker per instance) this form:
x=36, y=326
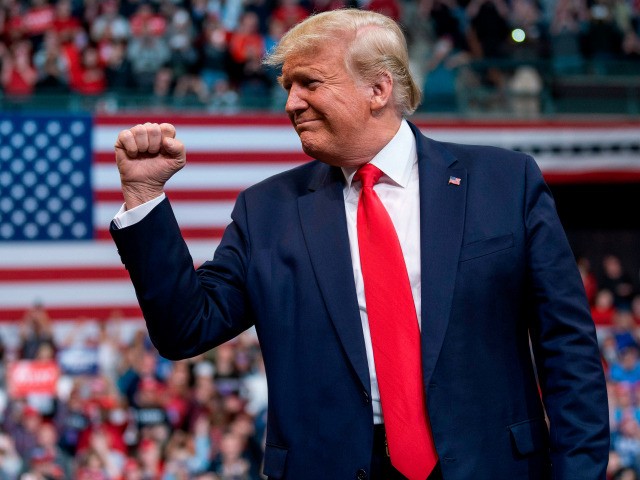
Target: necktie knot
x=369, y=175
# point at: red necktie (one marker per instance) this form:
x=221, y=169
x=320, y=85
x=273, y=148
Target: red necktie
x=394, y=334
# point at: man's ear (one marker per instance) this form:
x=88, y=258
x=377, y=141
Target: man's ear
x=382, y=92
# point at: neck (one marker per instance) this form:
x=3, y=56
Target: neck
x=375, y=136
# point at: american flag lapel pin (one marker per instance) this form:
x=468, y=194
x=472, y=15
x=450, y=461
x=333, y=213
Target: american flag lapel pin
x=454, y=181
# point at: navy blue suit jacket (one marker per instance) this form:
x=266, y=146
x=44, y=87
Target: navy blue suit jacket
x=497, y=276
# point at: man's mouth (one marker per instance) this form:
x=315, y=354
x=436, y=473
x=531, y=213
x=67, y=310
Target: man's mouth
x=302, y=122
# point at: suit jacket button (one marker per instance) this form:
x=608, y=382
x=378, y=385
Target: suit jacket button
x=361, y=474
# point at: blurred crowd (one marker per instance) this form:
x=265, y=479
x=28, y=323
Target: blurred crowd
x=208, y=52
x=614, y=296
x=116, y=410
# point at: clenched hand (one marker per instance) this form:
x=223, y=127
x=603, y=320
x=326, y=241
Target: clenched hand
x=147, y=156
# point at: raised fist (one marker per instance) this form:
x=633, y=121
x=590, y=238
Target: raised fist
x=147, y=156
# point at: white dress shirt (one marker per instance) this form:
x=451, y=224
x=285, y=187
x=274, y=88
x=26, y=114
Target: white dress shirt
x=398, y=190
x=126, y=218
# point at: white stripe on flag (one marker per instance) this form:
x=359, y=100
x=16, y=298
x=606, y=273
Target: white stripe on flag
x=199, y=176
x=215, y=138
x=80, y=294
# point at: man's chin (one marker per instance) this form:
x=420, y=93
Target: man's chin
x=309, y=143
x=318, y=150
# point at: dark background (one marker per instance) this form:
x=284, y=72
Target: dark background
x=602, y=219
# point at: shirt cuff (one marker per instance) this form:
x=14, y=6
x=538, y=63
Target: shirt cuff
x=125, y=218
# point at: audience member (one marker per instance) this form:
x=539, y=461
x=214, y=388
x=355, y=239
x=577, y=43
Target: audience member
x=65, y=24
x=628, y=370
x=441, y=78
x=17, y=75
x=289, y=13
x=11, y=463
x=214, y=53
x=147, y=22
x=625, y=330
x=227, y=11
x=627, y=443
x=603, y=309
x=488, y=38
x=47, y=458
x=147, y=53
x=35, y=331
x=51, y=65
x=566, y=34
x=89, y=78
x=185, y=60
x=617, y=281
x=110, y=25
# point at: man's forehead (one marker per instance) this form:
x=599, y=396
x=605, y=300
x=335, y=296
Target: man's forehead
x=317, y=59
x=292, y=68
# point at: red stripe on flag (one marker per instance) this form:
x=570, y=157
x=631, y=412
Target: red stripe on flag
x=195, y=233
x=261, y=120
x=224, y=157
x=611, y=176
x=98, y=272
x=179, y=195
x=130, y=312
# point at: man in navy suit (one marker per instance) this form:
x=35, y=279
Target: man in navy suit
x=511, y=374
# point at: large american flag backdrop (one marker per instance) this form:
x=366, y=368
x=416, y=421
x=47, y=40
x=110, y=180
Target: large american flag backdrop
x=59, y=189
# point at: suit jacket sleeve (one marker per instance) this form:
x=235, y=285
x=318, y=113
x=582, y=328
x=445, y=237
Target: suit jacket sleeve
x=564, y=342
x=187, y=312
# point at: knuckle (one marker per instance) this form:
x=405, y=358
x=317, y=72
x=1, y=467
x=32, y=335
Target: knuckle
x=125, y=134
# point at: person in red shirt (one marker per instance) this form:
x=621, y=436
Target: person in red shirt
x=326, y=5
x=145, y=20
x=65, y=24
x=13, y=28
x=90, y=78
x=390, y=8
x=246, y=39
x=290, y=12
x=603, y=309
x=246, y=43
x=635, y=309
x=18, y=76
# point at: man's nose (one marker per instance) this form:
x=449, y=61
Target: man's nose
x=295, y=100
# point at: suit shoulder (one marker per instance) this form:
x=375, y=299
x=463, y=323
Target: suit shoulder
x=292, y=182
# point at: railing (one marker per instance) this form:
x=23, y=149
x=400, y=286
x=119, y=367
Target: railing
x=600, y=87
x=543, y=89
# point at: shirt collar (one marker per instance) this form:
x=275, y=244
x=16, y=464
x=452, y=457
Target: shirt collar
x=396, y=158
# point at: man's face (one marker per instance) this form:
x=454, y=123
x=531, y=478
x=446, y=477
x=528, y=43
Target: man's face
x=328, y=108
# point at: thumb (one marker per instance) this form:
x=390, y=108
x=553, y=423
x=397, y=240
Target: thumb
x=173, y=147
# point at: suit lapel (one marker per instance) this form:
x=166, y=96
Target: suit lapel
x=324, y=225
x=442, y=215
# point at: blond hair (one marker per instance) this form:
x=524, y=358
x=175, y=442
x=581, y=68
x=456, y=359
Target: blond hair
x=377, y=46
